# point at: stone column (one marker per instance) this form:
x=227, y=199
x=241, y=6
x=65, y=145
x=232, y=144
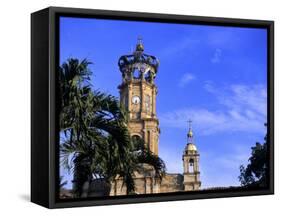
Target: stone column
x=151, y=141
x=144, y=132
x=156, y=140
x=142, y=99
x=129, y=99
x=185, y=165
x=196, y=165
x=154, y=92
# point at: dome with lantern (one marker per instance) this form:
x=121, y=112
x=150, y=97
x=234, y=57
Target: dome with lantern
x=190, y=147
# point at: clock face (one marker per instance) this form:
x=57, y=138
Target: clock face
x=135, y=99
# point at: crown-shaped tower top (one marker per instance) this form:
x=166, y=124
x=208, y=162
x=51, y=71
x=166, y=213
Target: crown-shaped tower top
x=138, y=66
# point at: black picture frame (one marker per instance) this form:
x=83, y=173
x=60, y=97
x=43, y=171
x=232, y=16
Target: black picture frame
x=44, y=121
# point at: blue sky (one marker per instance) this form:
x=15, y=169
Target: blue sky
x=215, y=76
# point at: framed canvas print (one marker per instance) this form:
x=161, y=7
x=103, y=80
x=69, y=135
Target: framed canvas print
x=138, y=107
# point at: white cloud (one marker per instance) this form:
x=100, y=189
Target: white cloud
x=243, y=109
x=253, y=97
x=186, y=78
x=179, y=46
x=217, y=56
x=209, y=86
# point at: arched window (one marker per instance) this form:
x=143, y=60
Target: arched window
x=137, y=140
x=191, y=166
x=136, y=74
x=147, y=76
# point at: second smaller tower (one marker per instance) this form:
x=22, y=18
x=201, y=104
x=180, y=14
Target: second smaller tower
x=191, y=164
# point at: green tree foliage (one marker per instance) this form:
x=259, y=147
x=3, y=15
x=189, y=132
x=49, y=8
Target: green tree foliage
x=94, y=134
x=255, y=173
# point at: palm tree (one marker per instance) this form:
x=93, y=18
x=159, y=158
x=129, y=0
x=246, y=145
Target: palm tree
x=74, y=94
x=62, y=183
x=94, y=134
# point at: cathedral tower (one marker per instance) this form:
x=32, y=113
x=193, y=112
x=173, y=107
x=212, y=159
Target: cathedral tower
x=191, y=164
x=138, y=95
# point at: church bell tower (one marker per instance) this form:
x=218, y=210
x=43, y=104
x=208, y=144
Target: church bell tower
x=138, y=94
x=191, y=164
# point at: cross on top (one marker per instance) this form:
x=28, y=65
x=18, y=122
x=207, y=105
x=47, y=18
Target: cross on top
x=189, y=123
x=139, y=39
